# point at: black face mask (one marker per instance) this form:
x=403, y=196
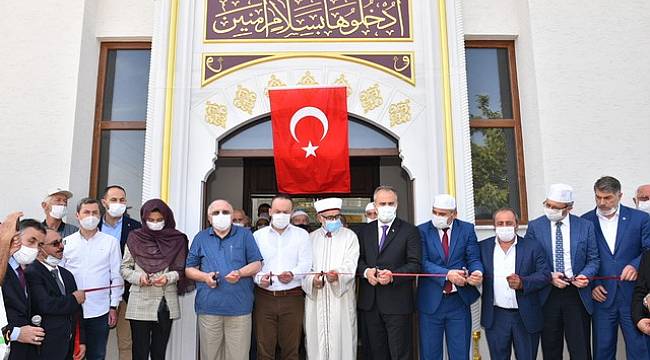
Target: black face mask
x=305, y=227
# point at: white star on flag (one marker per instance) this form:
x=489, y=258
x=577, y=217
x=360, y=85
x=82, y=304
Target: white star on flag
x=310, y=150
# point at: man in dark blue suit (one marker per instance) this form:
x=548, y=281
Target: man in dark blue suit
x=622, y=234
x=118, y=224
x=54, y=296
x=449, y=247
x=15, y=290
x=515, y=272
x=572, y=254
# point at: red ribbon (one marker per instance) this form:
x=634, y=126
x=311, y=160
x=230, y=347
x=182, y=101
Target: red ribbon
x=102, y=288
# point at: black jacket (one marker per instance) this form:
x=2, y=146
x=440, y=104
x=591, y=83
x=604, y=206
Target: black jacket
x=59, y=312
x=19, y=313
x=641, y=289
x=401, y=253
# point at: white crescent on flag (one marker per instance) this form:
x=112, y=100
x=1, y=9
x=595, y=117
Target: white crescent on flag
x=310, y=150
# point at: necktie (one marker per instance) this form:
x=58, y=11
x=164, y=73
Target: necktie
x=55, y=275
x=384, y=231
x=445, y=248
x=559, y=248
x=21, y=277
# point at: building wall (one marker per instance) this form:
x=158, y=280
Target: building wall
x=48, y=68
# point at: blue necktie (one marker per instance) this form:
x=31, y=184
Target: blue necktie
x=559, y=248
x=384, y=230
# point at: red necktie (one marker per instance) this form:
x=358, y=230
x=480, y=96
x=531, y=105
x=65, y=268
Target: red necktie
x=445, y=247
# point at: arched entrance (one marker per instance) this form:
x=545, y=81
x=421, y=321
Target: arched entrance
x=244, y=171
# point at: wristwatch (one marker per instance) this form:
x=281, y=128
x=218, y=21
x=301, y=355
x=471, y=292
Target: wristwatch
x=645, y=302
x=6, y=334
x=113, y=307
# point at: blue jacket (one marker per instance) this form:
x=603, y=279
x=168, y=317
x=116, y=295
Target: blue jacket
x=463, y=252
x=584, y=252
x=632, y=239
x=532, y=267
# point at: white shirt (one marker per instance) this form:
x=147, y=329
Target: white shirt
x=566, y=244
x=504, y=265
x=289, y=251
x=609, y=227
x=95, y=262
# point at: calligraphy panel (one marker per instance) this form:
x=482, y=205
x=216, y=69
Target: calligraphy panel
x=307, y=20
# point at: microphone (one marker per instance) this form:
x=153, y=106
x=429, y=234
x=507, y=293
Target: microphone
x=36, y=321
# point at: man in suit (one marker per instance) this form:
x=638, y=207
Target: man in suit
x=388, y=245
x=622, y=234
x=118, y=224
x=54, y=296
x=572, y=255
x=449, y=247
x=515, y=272
x=15, y=290
x=641, y=298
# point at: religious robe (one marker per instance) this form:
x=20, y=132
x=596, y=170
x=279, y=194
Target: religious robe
x=331, y=312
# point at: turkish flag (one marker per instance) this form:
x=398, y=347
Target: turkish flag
x=310, y=140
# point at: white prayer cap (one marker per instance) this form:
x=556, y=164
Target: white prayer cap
x=299, y=213
x=328, y=204
x=61, y=191
x=444, y=202
x=370, y=206
x=560, y=192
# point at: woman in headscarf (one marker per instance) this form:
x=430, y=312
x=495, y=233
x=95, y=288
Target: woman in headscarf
x=154, y=263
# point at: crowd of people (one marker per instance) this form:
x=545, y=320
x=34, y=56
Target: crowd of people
x=280, y=289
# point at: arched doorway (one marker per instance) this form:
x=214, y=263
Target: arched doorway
x=244, y=171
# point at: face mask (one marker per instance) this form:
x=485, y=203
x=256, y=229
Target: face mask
x=25, y=255
x=280, y=221
x=608, y=212
x=304, y=227
x=386, y=213
x=505, y=233
x=52, y=261
x=238, y=224
x=116, y=209
x=333, y=225
x=156, y=226
x=58, y=211
x=644, y=206
x=553, y=214
x=440, y=222
x=89, y=223
x=221, y=222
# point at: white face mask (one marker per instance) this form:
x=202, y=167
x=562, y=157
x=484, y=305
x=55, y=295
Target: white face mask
x=505, y=233
x=221, y=222
x=89, y=223
x=116, y=209
x=25, y=255
x=440, y=222
x=607, y=212
x=386, y=213
x=155, y=226
x=553, y=214
x=52, y=261
x=238, y=224
x=644, y=206
x=58, y=211
x=280, y=220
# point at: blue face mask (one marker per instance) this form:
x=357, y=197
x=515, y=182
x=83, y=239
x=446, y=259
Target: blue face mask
x=333, y=225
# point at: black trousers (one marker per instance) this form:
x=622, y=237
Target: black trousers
x=389, y=336
x=150, y=337
x=566, y=316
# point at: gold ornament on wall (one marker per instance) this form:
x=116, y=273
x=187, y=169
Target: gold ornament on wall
x=308, y=79
x=371, y=98
x=273, y=82
x=216, y=114
x=245, y=99
x=400, y=112
x=344, y=82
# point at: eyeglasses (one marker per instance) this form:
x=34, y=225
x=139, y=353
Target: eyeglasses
x=55, y=243
x=332, y=217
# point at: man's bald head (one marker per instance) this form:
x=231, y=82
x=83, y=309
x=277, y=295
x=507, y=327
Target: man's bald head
x=218, y=206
